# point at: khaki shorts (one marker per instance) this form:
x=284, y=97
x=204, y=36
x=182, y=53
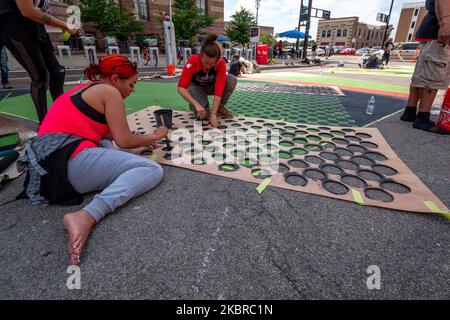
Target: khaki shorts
x=433, y=67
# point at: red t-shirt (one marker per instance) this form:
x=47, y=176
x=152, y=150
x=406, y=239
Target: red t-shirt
x=193, y=72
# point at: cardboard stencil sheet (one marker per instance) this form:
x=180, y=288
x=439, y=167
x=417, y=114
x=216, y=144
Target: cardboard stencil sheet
x=352, y=164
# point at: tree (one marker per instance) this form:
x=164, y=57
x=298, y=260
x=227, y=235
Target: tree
x=189, y=20
x=240, y=24
x=111, y=18
x=267, y=38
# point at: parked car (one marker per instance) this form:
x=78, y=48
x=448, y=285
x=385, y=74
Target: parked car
x=348, y=52
x=336, y=49
x=362, y=51
x=406, y=50
x=320, y=52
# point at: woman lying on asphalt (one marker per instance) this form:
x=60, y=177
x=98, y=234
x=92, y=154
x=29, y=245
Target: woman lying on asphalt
x=76, y=137
x=205, y=74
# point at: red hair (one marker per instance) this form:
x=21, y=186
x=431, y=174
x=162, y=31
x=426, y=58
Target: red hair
x=112, y=64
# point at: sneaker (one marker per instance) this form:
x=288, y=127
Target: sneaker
x=224, y=113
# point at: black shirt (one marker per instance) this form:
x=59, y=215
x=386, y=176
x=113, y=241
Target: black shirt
x=429, y=29
x=235, y=68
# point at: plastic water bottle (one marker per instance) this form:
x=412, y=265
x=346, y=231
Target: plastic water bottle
x=371, y=106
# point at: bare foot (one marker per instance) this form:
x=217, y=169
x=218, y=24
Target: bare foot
x=78, y=225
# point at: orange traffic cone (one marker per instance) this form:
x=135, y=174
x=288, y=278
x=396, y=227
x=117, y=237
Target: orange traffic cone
x=444, y=117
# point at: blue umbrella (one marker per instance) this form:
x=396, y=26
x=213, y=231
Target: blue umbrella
x=292, y=34
x=222, y=38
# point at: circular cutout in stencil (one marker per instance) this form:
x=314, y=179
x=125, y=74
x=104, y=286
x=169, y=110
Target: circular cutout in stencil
x=370, y=175
x=375, y=156
x=325, y=135
x=301, y=132
x=282, y=168
x=363, y=135
x=194, y=152
x=295, y=179
x=356, y=148
x=268, y=125
x=238, y=154
x=328, y=145
x=337, y=133
x=286, y=144
x=244, y=143
x=324, y=128
x=288, y=135
x=353, y=138
x=285, y=155
x=261, y=173
x=271, y=146
x=342, y=152
x=313, y=130
x=229, y=146
x=335, y=187
x=211, y=149
x=313, y=138
x=384, y=170
x=228, y=167
x=347, y=165
x=266, y=158
x=220, y=139
x=331, y=169
x=369, y=145
x=298, y=151
x=219, y=156
x=301, y=126
x=206, y=142
x=255, y=150
x=300, y=141
x=315, y=174
x=313, y=147
x=353, y=181
x=395, y=187
x=249, y=162
x=362, y=161
x=198, y=161
x=290, y=128
x=248, y=123
x=378, y=195
x=314, y=160
x=348, y=130
x=340, y=141
x=329, y=156
x=298, y=164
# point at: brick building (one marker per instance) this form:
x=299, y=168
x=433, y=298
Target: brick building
x=410, y=19
x=145, y=11
x=349, y=32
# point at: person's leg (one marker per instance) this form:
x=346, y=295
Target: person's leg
x=121, y=177
x=410, y=113
x=56, y=71
x=201, y=95
x=228, y=91
x=423, y=121
x=20, y=40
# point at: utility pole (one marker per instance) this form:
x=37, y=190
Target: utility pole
x=299, y=25
x=308, y=26
x=387, y=25
x=257, y=10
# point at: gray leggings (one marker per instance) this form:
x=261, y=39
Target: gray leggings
x=120, y=175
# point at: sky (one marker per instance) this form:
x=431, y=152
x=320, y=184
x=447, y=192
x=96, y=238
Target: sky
x=283, y=14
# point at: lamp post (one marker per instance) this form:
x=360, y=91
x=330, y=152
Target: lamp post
x=257, y=10
x=387, y=25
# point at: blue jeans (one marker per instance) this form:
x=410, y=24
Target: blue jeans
x=120, y=176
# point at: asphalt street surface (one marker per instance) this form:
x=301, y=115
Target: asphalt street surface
x=198, y=236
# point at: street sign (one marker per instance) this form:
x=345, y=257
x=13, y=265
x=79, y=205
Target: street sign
x=254, y=34
x=326, y=15
x=381, y=17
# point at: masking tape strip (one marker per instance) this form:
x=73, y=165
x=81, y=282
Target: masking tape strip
x=263, y=185
x=358, y=197
x=435, y=209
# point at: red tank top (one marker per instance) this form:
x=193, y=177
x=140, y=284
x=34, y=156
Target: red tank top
x=70, y=114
